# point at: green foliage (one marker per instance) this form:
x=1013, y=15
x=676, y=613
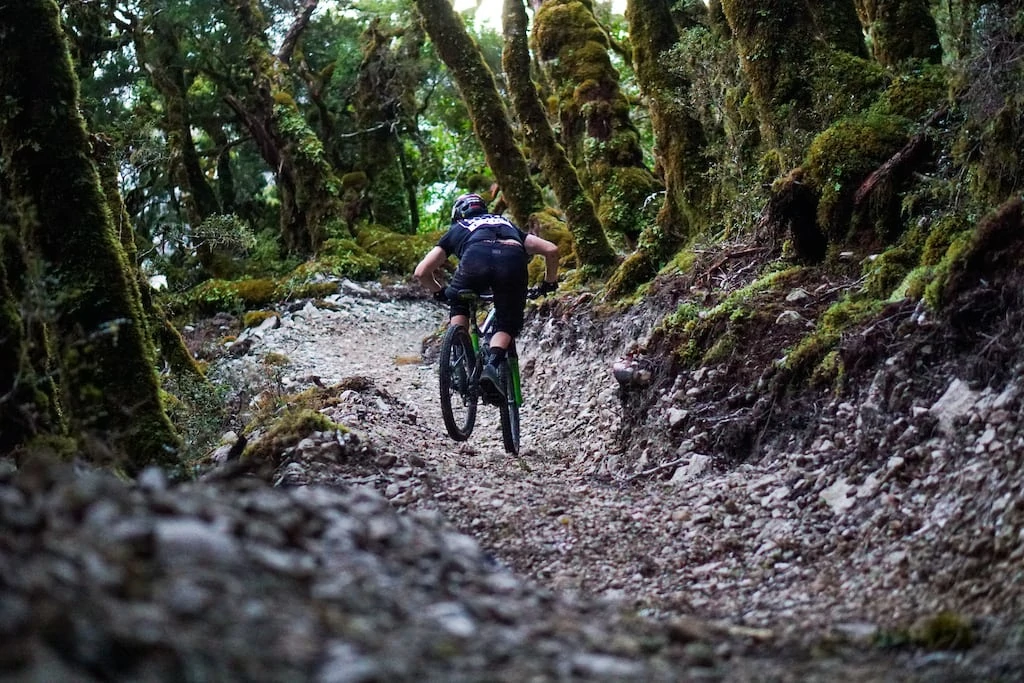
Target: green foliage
x=197, y=411
x=265, y=257
x=225, y=233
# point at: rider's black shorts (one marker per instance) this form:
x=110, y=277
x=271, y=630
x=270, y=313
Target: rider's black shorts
x=499, y=268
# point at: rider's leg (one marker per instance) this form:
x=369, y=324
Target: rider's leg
x=458, y=319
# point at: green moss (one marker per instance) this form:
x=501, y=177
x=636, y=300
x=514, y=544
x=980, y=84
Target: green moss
x=356, y=180
x=943, y=631
x=311, y=290
x=341, y=257
x=841, y=157
x=275, y=359
x=812, y=355
x=845, y=84
x=915, y=95
x=397, y=253
x=292, y=426
x=225, y=295
x=637, y=269
x=698, y=330
x=884, y=273
x=255, y=318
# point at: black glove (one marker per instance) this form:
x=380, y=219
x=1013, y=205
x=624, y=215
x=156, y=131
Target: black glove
x=440, y=296
x=542, y=289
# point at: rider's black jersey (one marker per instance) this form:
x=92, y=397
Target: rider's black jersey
x=478, y=229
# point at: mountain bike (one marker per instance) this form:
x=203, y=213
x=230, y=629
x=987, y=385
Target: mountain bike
x=463, y=355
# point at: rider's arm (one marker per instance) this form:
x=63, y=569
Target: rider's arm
x=549, y=250
x=427, y=269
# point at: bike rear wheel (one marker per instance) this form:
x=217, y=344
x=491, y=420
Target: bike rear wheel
x=458, y=395
x=509, y=410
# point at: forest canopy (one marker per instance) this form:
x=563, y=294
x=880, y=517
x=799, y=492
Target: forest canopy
x=244, y=150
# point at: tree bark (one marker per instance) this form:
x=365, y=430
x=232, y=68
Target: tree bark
x=591, y=244
x=159, y=53
x=381, y=112
x=169, y=344
x=776, y=55
x=308, y=189
x=900, y=30
x=679, y=143
x=836, y=23
x=596, y=130
x=28, y=398
x=106, y=375
x=461, y=55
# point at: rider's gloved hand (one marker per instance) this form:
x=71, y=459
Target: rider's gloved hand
x=440, y=296
x=542, y=289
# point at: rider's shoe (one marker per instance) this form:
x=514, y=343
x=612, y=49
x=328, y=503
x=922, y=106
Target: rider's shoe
x=490, y=385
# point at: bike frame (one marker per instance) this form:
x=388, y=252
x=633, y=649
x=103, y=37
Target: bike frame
x=481, y=334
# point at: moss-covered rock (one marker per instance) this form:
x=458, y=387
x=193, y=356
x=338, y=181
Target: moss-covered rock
x=213, y=296
x=397, y=253
x=292, y=426
x=255, y=318
x=841, y=157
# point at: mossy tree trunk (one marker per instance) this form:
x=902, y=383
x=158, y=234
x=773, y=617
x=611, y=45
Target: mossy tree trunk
x=596, y=130
x=28, y=403
x=307, y=186
x=384, y=111
x=900, y=30
x=591, y=244
x=159, y=52
x=680, y=143
x=776, y=47
x=108, y=385
x=170, y=345
x=838, y=25
x=461, y=55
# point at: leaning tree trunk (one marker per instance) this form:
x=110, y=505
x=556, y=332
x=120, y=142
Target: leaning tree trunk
x=900, y=30
x=307, y=186
x=169, y=343
x=597, y=132
x=107, y=381
x=591, y=244
x=679, y=144
x=461, y=55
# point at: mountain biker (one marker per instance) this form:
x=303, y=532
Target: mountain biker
x=493, y=254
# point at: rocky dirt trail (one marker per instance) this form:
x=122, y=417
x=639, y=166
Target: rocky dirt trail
x=762, y=564
x=874, y=536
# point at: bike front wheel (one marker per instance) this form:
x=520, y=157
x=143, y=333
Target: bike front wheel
x=458, y=395
x=509, y=410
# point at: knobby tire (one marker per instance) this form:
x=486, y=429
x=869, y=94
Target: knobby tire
x=509, y=410
x=458, y=398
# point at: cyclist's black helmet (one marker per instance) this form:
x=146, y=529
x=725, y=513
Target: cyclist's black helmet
x=467, y=206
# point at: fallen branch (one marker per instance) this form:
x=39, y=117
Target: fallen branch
x=654, y=470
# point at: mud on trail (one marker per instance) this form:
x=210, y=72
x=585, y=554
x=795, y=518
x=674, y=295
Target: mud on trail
x=867, y=533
